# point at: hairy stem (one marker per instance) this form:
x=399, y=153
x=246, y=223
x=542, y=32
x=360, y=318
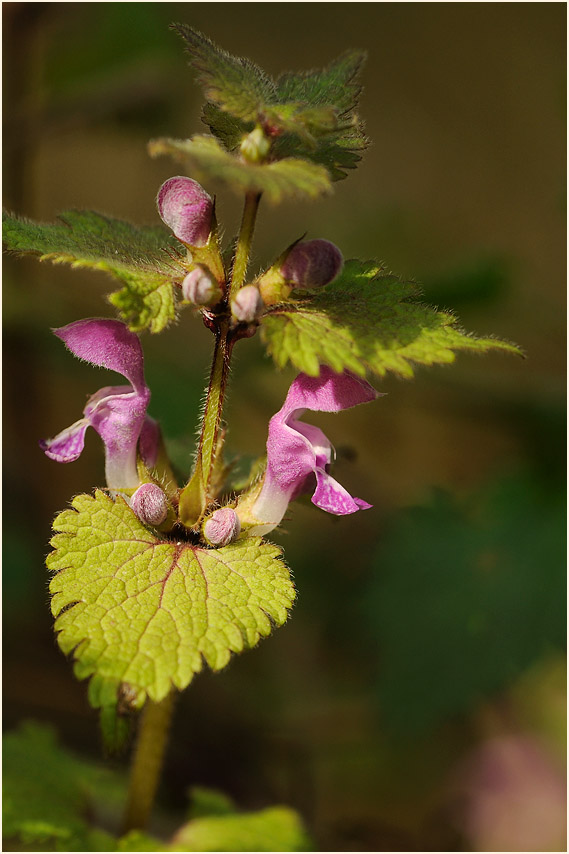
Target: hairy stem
x=147, y=762
x=214, y=403
x=244, y=243
x=195, y=495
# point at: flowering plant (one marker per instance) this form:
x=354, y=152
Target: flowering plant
x=152, y=577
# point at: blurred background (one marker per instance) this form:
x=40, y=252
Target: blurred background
x=416, y=698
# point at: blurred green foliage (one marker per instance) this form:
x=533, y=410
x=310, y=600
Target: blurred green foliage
x=465, y=595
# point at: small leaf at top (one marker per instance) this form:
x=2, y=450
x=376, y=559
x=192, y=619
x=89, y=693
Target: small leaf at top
x=238, y=85
x=136, y=609
x=336, y=85
x=146, y=260
x=310, y=115
x=367, y=320
x=205, y=158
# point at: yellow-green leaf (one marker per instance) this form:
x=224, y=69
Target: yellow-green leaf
x=136, y=609
x=206, y=159
x=367, y=320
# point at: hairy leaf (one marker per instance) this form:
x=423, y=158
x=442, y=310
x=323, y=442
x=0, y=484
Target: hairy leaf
x=367, y=320
x=206, y=159
x=311, y=115
x=272, y=829
x=144, y=259
x=237, y=85
x=336, y=85
x=144, y=611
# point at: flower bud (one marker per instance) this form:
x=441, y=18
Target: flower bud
x=247, y=304
x=187, y=209
x=150, y=504
x=255, y=146
x=222, y=527
x=312, y=264
x=200, y=287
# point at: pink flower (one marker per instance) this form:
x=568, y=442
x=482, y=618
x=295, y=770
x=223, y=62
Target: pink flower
x=187, y=209
x=298, y=454
x=117, y=413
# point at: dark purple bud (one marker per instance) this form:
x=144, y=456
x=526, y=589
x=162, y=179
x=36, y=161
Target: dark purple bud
x=150, y=504
x=187, y=209
x=222, y=527
x=312, y=264
x=247, y=304
x=200, y=287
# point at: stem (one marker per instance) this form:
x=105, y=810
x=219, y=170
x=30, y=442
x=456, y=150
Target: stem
x=244, y=243
x=219, y=371
x=147, y=762
x=214, y=402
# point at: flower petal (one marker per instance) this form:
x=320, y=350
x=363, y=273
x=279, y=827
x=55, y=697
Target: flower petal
x=106, y=343
x=149, y=442
x=329, y=392
x=67, y=446
x=332, y=497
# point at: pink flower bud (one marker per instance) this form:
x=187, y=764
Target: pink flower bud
x=247, y=305
x=200, y=287
x=150, y=504
x=312, y=264
x=222, y=527
x=187, y=209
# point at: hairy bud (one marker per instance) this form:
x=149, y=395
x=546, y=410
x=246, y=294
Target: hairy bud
x=312, y=264
x=222, y=527
x=187, y=209
x=150, y=504
x=200, y=287
x=247, y=304
x=255, y=146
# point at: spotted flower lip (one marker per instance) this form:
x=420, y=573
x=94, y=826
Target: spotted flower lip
x=298, y=454
x=117, y=413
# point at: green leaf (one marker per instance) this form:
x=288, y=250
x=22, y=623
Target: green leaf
x=48, y=793
x=367, y=320
x=135, y=609
x=145, y=302
x=336, y=85
x=311, y=115
x=272, y=829
x=207, y=159
x=145, y=259
x=237, y=85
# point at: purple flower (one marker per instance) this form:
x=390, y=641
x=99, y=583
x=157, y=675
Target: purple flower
x=187, y=209
x=117, y=413
x=298, y=454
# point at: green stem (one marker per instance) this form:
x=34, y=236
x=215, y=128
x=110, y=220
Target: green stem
x=244, y=243
x=147, y=762
x=214, y=403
